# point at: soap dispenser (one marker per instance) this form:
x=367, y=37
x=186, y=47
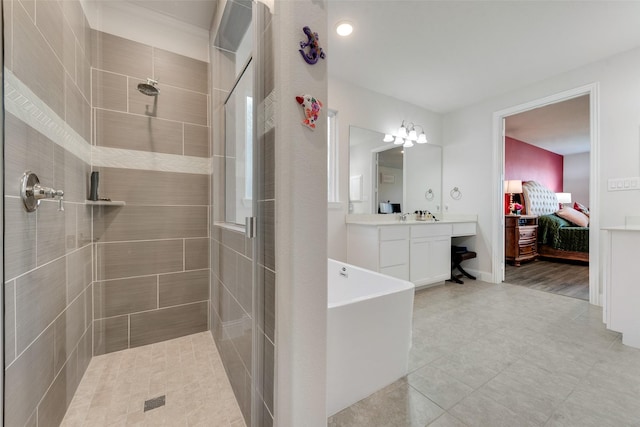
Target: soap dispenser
x=93, y=193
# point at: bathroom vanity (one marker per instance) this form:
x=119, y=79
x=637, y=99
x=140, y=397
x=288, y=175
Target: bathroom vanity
x=417, y=251
x=622, y=292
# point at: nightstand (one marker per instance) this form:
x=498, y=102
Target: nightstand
x=521, y=238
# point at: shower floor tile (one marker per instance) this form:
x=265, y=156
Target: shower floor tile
x=187, y=371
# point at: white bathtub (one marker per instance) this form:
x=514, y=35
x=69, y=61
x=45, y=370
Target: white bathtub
x=368, y=333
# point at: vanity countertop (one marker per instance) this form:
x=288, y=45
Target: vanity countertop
x=622, y=228
x=377, y=220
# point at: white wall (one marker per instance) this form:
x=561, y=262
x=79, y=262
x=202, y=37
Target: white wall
x=301, y=223
x=468, y=148
x=370, y=110
x=576, y=177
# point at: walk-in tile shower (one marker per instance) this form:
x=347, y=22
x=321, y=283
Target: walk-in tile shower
x=146, y=260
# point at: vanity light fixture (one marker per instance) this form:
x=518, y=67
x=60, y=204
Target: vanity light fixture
x=407, y=135
x=344, y=28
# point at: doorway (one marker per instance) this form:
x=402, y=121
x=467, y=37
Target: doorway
x=594, y=294
x=550, y=146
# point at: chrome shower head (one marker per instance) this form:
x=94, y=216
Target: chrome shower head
x=149, y=88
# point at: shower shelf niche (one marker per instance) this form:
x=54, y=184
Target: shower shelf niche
x=105, y=203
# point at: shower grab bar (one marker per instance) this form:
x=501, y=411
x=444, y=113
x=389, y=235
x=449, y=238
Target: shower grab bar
x=32, y=192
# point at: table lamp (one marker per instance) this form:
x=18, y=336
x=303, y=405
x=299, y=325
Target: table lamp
x=511, y=187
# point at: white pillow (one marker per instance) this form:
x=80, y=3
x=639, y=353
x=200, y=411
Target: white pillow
x=574, y=216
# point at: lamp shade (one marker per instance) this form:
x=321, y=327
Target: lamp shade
x=564, y=197
x=388, y=138
x=402, y=132
x=513, y=186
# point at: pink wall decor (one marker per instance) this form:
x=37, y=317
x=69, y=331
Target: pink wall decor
x=311, y=107
x=529, y=163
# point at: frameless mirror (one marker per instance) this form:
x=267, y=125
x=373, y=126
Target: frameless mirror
x=381, y=173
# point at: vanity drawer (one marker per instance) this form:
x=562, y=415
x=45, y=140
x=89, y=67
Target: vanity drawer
x=394, y=252
x=430, y=230
x=398, y=271
x=464, y=229
x=394, y=233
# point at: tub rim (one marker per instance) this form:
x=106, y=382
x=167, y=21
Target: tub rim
x=404, y=285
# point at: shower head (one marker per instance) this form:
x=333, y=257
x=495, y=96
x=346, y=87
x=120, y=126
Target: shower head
x=149, y=88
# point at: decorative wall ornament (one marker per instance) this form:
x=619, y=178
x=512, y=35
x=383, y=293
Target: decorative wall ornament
x=311, y=107
x=315, y=51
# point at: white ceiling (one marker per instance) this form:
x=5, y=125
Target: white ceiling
x=444, y=55
x=195, y=12
x=562, y=128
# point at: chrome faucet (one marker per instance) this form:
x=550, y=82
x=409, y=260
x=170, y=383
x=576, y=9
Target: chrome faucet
x=32, y=192
x=40, y=192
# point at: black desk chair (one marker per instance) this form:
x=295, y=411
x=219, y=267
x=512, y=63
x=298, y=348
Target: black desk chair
x=459, y=254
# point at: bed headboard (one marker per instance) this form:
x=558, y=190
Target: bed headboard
x=538, y=199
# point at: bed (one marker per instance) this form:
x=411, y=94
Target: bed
x=558, y=237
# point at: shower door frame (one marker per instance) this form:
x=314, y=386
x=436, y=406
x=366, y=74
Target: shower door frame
x=2, y=210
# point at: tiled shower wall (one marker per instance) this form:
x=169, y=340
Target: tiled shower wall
x=152, y=255
x=232, y=256
x=47, y=285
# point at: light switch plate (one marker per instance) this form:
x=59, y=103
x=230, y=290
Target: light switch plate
x=623, y=184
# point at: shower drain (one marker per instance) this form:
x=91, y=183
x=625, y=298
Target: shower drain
x=154, y=403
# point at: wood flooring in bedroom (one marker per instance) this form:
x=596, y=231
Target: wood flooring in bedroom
x=562, y=278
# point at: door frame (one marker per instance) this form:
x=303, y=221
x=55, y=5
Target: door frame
x=375, y=174
x=595, y=295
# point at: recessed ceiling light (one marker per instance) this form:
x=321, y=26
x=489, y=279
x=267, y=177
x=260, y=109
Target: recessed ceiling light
x=344, y=28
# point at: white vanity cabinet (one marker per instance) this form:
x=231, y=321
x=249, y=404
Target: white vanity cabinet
x=383, y=249
x=430, y=254
x=394, y=252
x=414, y=251
x=622, y=292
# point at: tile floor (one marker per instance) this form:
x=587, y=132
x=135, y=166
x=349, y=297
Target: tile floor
x=187, y=370
x=503, y=355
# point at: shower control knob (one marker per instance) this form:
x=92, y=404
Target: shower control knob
x=32, y=192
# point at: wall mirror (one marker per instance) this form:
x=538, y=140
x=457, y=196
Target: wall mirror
x=381, y=172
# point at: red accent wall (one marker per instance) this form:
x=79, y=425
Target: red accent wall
x=529, y=163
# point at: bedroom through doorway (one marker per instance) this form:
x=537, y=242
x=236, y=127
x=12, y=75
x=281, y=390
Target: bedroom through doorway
x=547, y=178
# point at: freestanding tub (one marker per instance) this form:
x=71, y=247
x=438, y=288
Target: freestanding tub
x=368, y=333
